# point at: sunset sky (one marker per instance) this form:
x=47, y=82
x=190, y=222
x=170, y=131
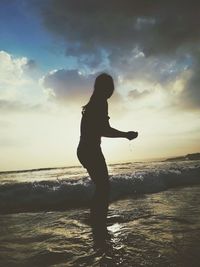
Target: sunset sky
x=52, y=50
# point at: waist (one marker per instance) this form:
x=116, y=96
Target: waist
x=90, y=140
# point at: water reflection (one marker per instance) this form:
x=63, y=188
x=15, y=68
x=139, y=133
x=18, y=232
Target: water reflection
x=108, y=246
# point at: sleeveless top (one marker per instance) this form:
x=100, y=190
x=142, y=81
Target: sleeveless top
x=94, y=120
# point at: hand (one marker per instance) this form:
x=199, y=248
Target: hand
x=131, y=135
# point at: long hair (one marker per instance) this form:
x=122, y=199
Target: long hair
x=103, y=89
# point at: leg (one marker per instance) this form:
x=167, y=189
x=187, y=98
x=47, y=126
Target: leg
x=99, y=208
x=93, y=160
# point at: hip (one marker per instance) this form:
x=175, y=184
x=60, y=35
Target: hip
x=90, y=154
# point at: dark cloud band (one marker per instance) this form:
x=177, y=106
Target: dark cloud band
x=99, y=31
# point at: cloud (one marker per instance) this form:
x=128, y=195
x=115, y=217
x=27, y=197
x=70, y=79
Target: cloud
x=68, y=85
x=88, y=27
x=30, y=65
x=135, y=94
x=19, y=90
x=73, y=87
x=150, y=39
x=11, y=70
x=189, y=97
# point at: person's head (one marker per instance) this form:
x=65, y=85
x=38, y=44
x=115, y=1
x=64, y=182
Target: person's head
x=103, y=89
x=103, y=86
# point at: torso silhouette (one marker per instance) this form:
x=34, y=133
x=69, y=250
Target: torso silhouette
x=94, y=121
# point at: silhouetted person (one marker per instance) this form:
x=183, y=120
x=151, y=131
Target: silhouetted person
x=94, y=124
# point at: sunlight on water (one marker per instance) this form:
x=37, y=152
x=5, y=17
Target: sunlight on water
x=115, y=228
x=160, y=229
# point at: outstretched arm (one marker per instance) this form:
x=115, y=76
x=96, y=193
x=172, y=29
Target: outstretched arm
x=108, y=131
x=114, y=133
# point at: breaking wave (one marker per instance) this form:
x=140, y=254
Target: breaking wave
x=70, y=193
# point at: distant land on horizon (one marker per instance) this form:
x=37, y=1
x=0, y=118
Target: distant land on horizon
x=193, y=156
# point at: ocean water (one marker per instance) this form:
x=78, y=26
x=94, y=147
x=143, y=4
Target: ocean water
x=154, y=217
